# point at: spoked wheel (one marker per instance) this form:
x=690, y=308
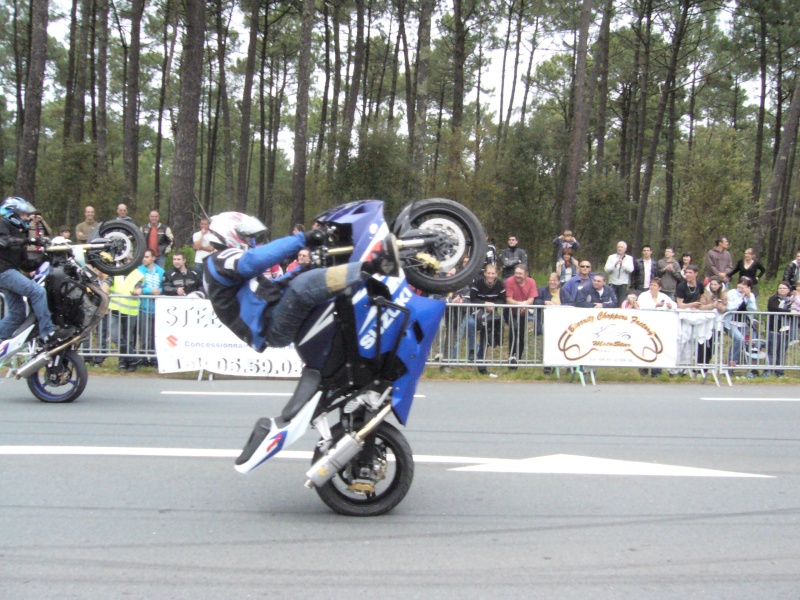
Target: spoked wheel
x=376, y=480
x=452, y=232
x=61, y=382
x=125, y=248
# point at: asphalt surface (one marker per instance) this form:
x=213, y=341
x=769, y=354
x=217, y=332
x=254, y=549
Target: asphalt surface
x=113, y=526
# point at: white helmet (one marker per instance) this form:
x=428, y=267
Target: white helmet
x=230, y=228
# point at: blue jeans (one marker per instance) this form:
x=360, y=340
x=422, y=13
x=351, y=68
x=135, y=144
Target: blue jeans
x=14, y=286
x=477, y=323
x=304, y=294
x=737, y=337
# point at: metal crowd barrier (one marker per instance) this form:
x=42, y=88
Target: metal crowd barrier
x=732, y=345
x=741, y=345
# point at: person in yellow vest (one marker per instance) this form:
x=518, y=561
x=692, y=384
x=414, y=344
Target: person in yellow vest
x=124, y=315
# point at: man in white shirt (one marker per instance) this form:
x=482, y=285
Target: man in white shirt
x=619, y=267
x=202, y=247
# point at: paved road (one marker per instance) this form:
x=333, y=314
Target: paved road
x=171, y=527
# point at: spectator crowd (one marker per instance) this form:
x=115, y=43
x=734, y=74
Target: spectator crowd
x=622, y=281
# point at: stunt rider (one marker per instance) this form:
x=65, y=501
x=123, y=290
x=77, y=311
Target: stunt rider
x=269, y=312
x=15, y=214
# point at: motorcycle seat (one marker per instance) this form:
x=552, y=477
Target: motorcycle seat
x=306, y=388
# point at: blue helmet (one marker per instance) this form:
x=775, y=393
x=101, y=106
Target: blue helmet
x=12, y=210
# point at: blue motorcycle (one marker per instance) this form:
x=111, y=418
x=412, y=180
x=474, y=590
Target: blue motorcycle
x=365, y=352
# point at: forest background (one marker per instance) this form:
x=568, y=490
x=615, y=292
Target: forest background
x=658, y=122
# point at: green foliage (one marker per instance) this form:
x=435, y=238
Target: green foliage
x=714, y=198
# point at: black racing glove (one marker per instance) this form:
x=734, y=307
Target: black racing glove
x=315, y=237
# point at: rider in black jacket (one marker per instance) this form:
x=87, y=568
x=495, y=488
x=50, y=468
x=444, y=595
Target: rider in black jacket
x=14, y=237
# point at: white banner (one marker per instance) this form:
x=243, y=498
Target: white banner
x=610, y=338
x=189, y=337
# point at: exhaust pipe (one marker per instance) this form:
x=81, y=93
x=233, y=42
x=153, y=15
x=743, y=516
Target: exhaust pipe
x=33, y=365
x=345, y=450
x=30, y=367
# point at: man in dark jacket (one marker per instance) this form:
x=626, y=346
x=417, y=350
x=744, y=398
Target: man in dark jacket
x=512, y=256
x=644, y=270
x=181, y=280
x=14, y=237
x=792, y=271
x=598, y=296
x=159, y=238
x=489, y=291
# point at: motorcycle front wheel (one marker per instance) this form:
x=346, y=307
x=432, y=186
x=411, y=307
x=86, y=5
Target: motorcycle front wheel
x=61, y=382
x=461, y=235
x=124, y=251
x=376, y=480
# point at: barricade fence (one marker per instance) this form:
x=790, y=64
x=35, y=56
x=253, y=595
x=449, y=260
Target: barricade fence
x=728, y=344
x=475, y=335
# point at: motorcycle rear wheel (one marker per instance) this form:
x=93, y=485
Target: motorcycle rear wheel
x=465, y=235
x=62, y=383
x=127, y=247
x=348, y=493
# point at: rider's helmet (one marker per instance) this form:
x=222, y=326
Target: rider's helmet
x=229, y=230
x=14, y=209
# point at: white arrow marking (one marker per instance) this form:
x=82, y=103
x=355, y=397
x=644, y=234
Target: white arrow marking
x=751, y=399
x=563, y=464
x=566, y=464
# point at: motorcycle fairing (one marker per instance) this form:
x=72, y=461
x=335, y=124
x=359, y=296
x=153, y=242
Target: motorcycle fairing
x=21, y=336
x=281, y=435
x=413, y=351
x=365, y=218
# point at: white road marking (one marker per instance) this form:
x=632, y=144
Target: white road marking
x=283, y=394
x=567, y=464
x=562, y=464
x=751, y=399
x=179, y=393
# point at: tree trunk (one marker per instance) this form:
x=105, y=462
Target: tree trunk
x=506, y=45
x=213, y=128
x=166, y=65
x=666, y=89
x=262, y=126
x=222, y=86
x=514, y=70
x=755, y=193
x=778, y=99
x=301, y=118
x=768, y=217
x=102, y=88
x=333, y=136
x=34, y=86
x=247, y=103
x=351, y=100
x=184, y=163
x=669, y=175
x=457, y=118
x=421, y=108
x=530, y=70
x=69, y=91
x=130, y=146
x=641, y=120
x=79, y=109
x=603, y=43
x=323, y=117
x=580, y=122
x=395, y=77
